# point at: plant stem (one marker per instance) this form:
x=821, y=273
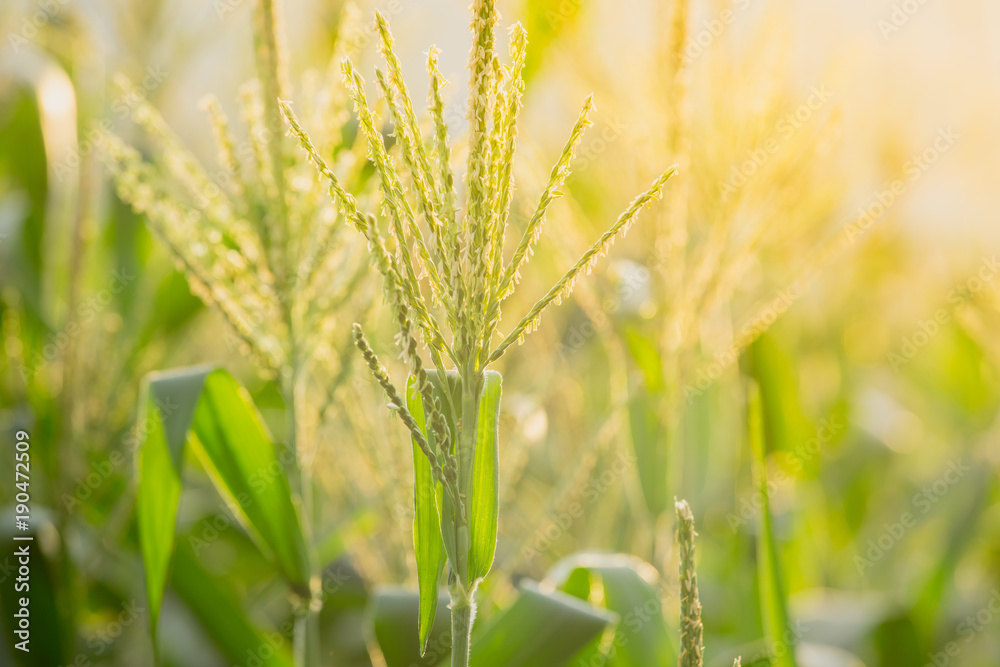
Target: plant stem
x=463, y=605
x=463, y=610
x=306, y=645
x=306, y=638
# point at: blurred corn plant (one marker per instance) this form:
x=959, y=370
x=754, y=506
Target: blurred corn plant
x=445, y=272
x=79, y=304
x=748, y=224
x=261, y=243
x=751, y=219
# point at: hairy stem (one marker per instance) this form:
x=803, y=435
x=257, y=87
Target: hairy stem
x=463, y=610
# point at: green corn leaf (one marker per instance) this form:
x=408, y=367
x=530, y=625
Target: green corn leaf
x=596, y=653
x=627, y=586
x=218, y=608
x=433, y=510
x=427, y=539
x=646, y=421
x=485, y=503
x=540, y=630
x=784, y=420
x=209, y=411
x=772, y=594
x=390, y=626
x=451, y=384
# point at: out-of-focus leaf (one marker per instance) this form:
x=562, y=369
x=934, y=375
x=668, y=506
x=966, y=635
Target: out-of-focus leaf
x=773, y=604
x=646, y=421
x=221, y=613
x=539, y=630
x=897, y=642
x=208, y=410
x=627, y=586
x=23, y=197
x=963, y=528
x=392, y=627
x=785, y=423
x=546, y=21
x=342, y=619
x=174, y=306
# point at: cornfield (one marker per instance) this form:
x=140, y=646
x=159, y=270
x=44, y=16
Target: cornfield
x=262, y=405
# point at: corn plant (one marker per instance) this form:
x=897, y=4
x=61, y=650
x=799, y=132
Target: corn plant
x=446, y=278
x=729, y=219
x=262, y=245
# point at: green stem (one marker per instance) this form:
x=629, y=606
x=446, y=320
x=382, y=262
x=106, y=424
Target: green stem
x=463, y=610
x=462, y=591
x=306, y=643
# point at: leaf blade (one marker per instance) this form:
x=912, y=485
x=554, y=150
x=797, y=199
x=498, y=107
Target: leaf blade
x=206, y=409
x=158, y=473
x=428, y=545
x=539, y=630
x=772, y=594
x=627, y=586
x=243, y=462
x=485, y=502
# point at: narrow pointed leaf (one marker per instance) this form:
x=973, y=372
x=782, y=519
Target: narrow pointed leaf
x=772, y=594
x=646, y=421
x=485, y=504
x=209, y=411
x=427, y=541
x=166, y=406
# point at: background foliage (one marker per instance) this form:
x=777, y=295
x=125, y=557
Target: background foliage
x=830, y=235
